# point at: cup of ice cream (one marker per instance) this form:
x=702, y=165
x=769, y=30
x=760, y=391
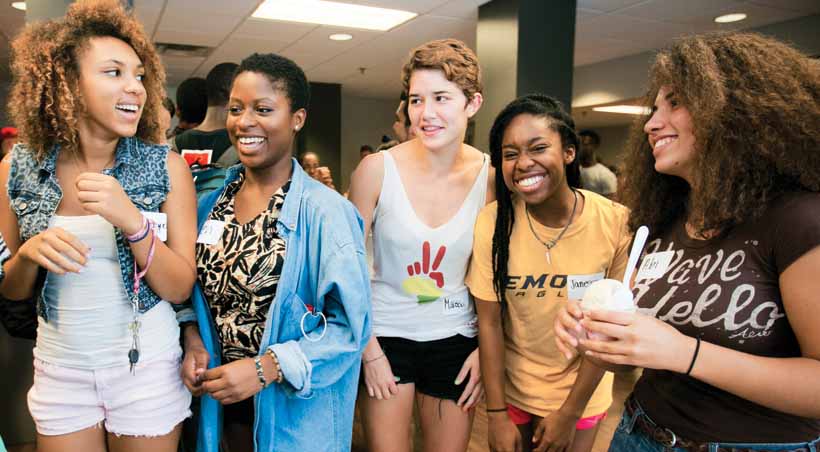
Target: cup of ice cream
x=607, y=295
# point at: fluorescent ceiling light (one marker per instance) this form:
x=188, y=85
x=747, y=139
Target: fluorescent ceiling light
x=19, y=5
x=340, y=37
x=624, y=109
x=332, y=13
x=727, y=18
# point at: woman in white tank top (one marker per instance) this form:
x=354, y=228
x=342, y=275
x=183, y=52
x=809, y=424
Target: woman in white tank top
x=421, y=199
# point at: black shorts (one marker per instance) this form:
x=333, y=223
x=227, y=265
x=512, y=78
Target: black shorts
x=432, y=366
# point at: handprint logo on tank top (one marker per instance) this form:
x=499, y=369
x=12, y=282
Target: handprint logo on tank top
x=425, y=282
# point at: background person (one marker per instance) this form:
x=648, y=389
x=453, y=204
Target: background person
x=595, y=176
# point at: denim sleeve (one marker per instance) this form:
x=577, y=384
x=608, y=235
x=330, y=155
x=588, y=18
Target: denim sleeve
x=344, y=288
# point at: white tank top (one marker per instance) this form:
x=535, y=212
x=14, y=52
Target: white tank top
x=89, y=328
x=418, y=290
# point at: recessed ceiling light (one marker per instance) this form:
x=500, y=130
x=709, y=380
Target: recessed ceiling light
x=19, y=5
x=332, y=13
x=624, y=109
x=340, y=37
x=727, y=18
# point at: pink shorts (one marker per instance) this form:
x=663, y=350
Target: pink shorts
x=150, y=403
x=520, y=417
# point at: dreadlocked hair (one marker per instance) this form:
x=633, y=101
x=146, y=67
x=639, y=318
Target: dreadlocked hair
x=561, y=122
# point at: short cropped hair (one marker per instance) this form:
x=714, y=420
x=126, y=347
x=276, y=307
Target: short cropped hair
x=458, y=62
x=218, y=83
x=283, y=74
x=192, y=99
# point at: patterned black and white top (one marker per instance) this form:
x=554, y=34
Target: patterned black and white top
x=240, y=272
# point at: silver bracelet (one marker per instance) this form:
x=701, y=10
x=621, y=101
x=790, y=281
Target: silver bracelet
x=260, y=373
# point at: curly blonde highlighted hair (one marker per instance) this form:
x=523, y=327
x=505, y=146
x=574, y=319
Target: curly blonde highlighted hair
x=754, y=103
x=43, y=101
x=458, y=62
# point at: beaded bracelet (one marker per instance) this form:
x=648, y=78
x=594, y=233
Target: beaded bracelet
x=279, y=375
x=259, y=372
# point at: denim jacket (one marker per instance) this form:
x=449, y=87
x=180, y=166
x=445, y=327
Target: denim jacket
x=325, y=268
x=34, y=194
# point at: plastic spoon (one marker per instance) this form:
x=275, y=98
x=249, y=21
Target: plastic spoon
x=635, y=253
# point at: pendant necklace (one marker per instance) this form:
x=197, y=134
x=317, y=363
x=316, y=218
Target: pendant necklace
x=550, y=244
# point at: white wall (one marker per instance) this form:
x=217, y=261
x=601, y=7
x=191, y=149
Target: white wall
x=364, y=121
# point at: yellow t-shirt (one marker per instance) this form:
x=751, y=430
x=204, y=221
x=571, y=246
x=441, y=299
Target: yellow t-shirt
x=595, y=246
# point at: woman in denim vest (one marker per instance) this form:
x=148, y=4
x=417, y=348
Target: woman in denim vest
x=101, y=229
x=281, y=300
x=725, y=172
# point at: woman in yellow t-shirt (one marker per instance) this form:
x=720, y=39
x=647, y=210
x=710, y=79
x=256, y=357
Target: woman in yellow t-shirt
x=542, y=243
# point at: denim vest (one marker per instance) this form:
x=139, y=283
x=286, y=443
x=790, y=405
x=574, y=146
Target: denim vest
x=325, y=267
x=34, y=194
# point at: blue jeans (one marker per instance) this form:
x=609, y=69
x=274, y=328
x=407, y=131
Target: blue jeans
x=628, y=438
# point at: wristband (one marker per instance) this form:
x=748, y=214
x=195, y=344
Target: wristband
x=142, y=233
x=496, y=410
x=694, y=357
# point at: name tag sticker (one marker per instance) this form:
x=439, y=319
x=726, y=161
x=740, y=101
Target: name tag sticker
x=455, y=305
x=577, y=284
x=161, y=222
x=211, y=232
x=654, y=265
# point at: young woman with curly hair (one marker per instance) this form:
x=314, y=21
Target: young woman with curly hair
x=421, y=199
x=100, y=223
x=537, y=246
x=726, y=173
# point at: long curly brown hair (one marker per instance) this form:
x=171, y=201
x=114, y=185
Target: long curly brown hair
x=756, y=116
x=44, y=103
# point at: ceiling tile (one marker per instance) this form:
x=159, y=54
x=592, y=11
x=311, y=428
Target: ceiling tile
x=215, y=26
x=607, y=5
x=188, y=38
x=416, y=6
x=318, y=44
x=232, y=8
x=804, y=6
x=688, y=12
x=280, y=30
x=650, y=34
x=462, y=9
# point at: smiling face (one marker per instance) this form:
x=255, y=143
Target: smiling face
x=111, y=89
x=260, y=122
x=533, y=159
x=671, y=135
x=438, y=109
